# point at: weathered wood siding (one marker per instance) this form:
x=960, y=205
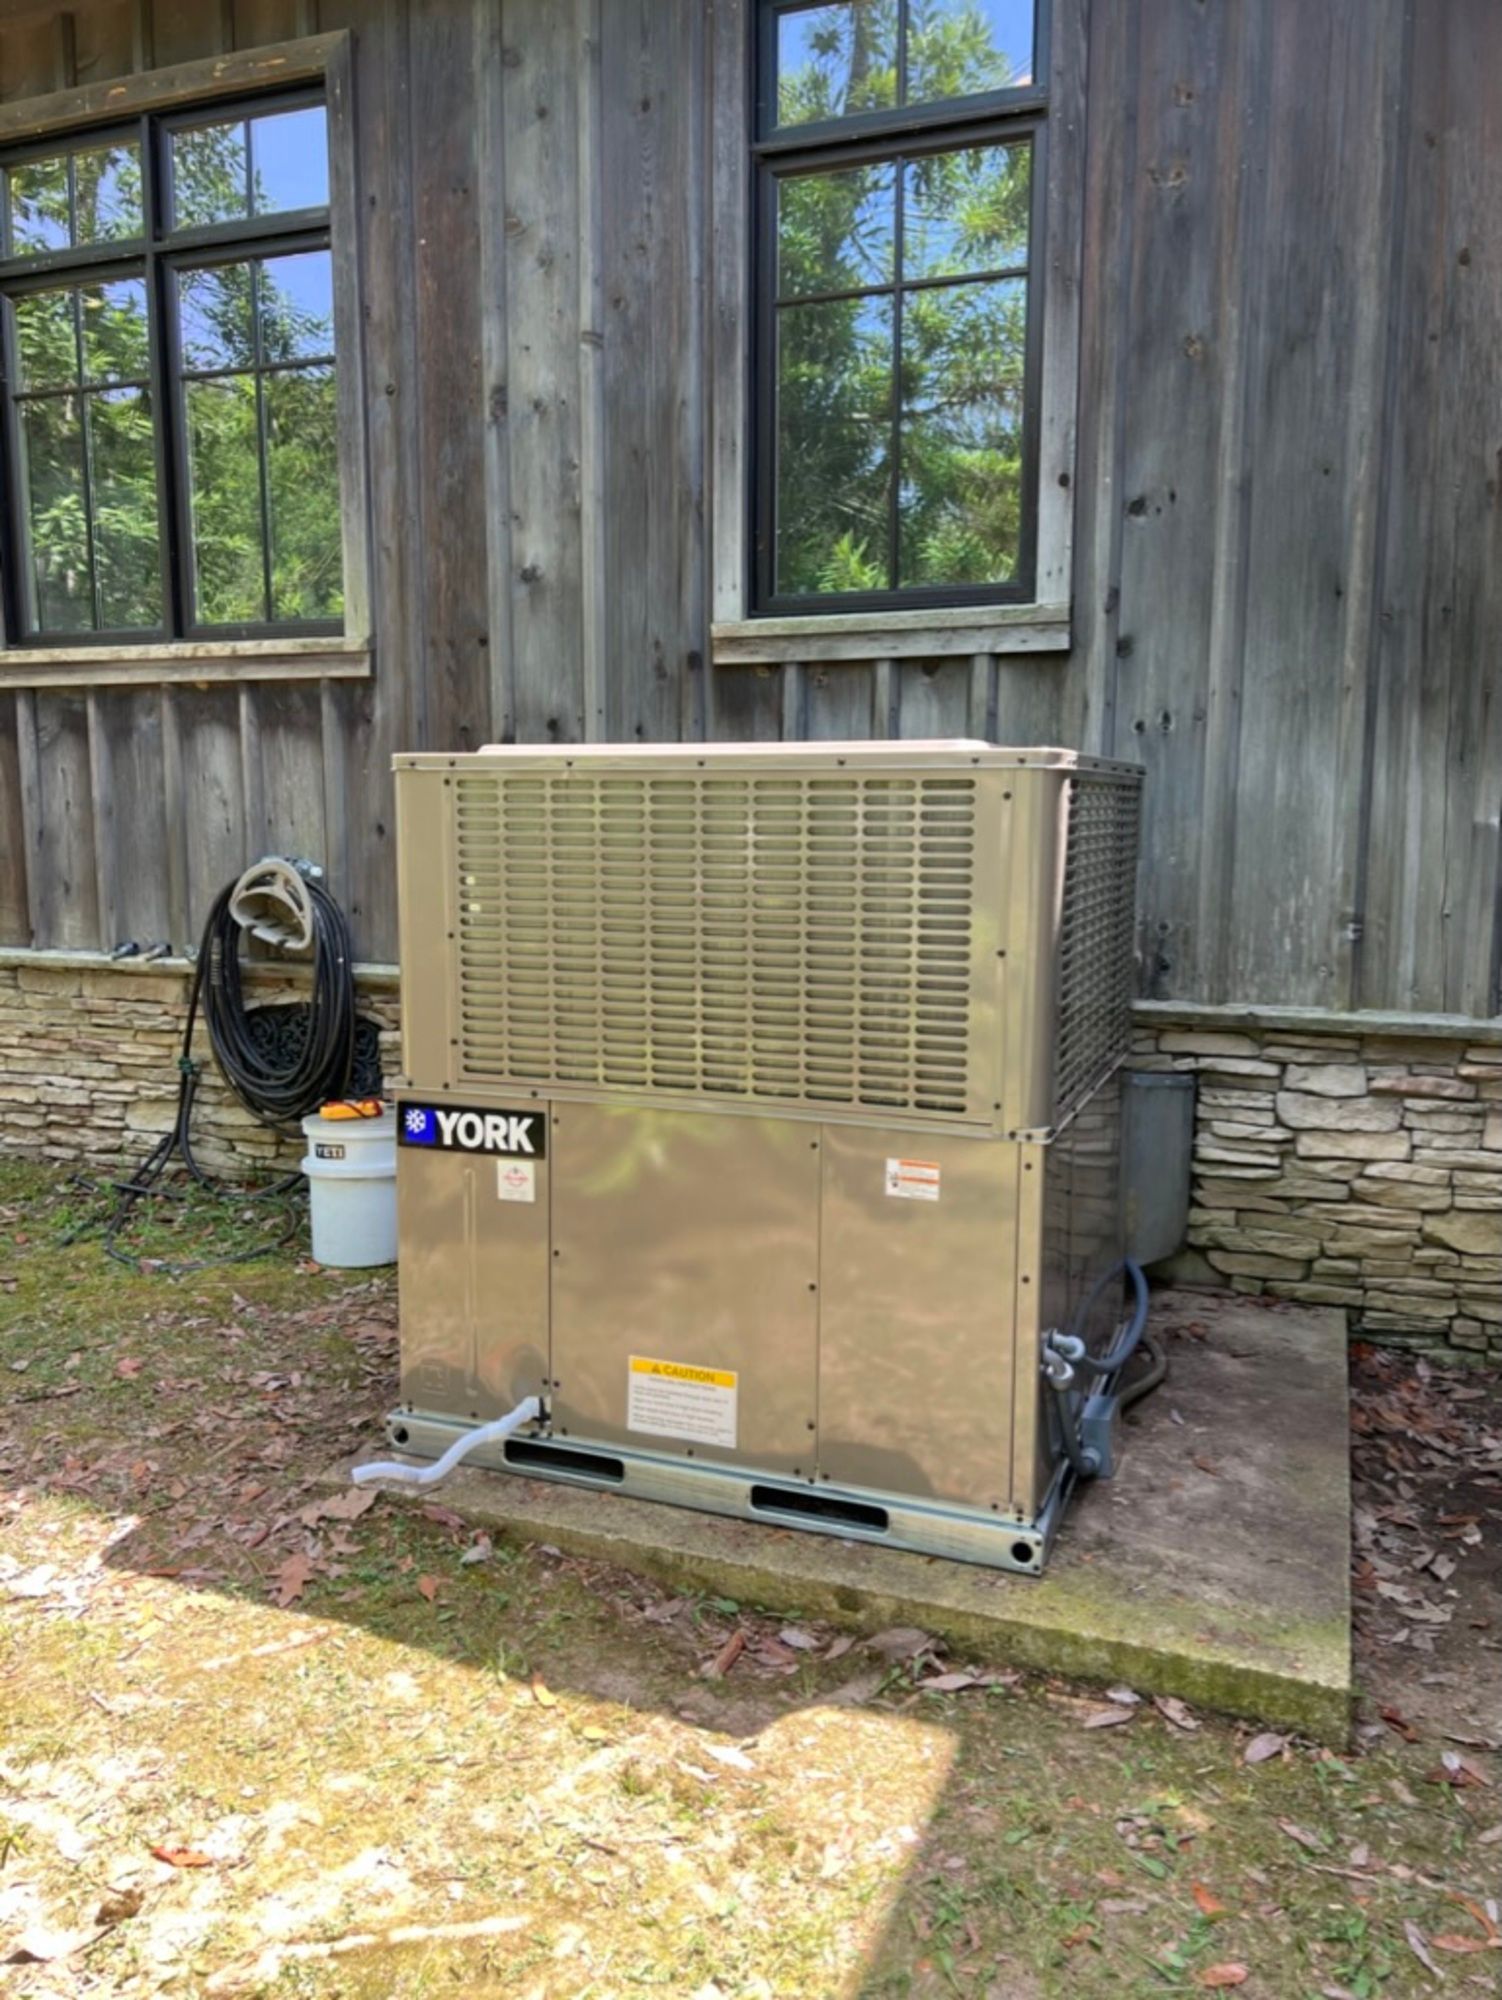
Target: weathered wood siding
x=1288, y=531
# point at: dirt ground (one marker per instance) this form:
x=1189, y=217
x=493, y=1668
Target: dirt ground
x=256, y=1738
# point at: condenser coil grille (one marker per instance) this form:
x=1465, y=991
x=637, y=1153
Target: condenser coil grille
x=1095, y=936
x=759, y=937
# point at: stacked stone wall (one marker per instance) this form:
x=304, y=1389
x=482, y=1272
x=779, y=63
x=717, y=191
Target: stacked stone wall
x=1362, y=1171
x=88, y=1065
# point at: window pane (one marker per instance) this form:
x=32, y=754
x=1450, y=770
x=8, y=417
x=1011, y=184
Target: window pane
x=45, y=339
x=302, y=470
x=835, y=61
x=116, y=347
x=960, y=496
x=297, y=307
x=214, y=314
x=57, y=527
x=122, y=463
x=289, y=152
x=107, y=194
x=224, y=481
x=210, y=175
x=38, y=196
x=965, y=211
x=835, y=232
x=834, y=434
x=958, y=48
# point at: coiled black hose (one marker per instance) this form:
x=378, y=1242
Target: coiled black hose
x=281, y=1085
x=280, y=1078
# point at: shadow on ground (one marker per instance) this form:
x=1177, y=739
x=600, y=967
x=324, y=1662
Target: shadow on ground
x=254, y=1741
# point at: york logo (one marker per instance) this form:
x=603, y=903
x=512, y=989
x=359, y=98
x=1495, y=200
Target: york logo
x=509, y=1134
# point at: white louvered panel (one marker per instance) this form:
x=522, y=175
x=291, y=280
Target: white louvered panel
x=803, y=938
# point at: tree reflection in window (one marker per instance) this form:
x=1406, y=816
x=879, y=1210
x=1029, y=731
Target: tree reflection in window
x=896, y=343
x=179, y=364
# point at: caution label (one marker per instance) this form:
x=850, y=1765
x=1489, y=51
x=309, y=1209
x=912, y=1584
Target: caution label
x=671, y=1399
x=913, y=1180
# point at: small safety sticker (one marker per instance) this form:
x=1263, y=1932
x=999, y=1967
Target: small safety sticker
x=913, y=1180
x=670, y=1399
x=516, y=1180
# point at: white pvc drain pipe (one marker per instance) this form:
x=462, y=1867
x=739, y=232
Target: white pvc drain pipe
x=527, y=1411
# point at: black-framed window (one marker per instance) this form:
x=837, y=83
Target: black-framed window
x=898, y=196
x=169, y=392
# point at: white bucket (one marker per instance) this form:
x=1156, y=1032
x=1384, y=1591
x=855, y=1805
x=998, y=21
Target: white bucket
x=351, y=1170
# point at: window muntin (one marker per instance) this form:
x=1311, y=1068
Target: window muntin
x=172, y=368
x=897, y=335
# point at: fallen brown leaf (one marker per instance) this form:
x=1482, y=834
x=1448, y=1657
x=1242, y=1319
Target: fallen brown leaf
x=128, y=1365
x=1209, y=1903
x=1268, y=1744
x=900, y=1642
x=1108, y=1718
x=183, y=1857
x=1418, y=1944
x=1217, y=1977
x=292, y=1578
x=1175, y=1711
x=428, y=1586
x=1302, y=1835
x=542, y=1694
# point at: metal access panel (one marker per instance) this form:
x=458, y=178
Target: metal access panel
x=760, y=1116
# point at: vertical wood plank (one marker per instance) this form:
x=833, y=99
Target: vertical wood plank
x=208, y=781
x=15, y=917
x=29, y=790
x=490, y=71
x=61, y=824
x=541, y=105
x=1177, y=352
x=1059, y=373
x=450, y=463
x=106, y=836
x=1112, y=181
x=886, y=720
x=748, y=704
x=125, y=738
x=182, y=837
x=837, y=702
x=1314, y=383
x=935, y=697
x=596, y=636
x=654, y=393
x=794, y=703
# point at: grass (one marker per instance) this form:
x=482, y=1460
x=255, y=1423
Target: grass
x=421, y=1776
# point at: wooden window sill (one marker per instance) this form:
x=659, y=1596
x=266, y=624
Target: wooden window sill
x=194, y=662
x=889, y=635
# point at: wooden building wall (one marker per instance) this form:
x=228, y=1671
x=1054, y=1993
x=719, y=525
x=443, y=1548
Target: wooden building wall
x=1288, y=536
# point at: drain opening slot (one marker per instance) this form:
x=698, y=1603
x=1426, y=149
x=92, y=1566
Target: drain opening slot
x=813, y=1506
x=564, y=1458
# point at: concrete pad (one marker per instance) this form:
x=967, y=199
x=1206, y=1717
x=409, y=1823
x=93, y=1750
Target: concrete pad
x=1214, y=1566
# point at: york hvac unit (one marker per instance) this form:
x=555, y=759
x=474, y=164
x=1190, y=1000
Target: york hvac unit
x=760, y=1119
